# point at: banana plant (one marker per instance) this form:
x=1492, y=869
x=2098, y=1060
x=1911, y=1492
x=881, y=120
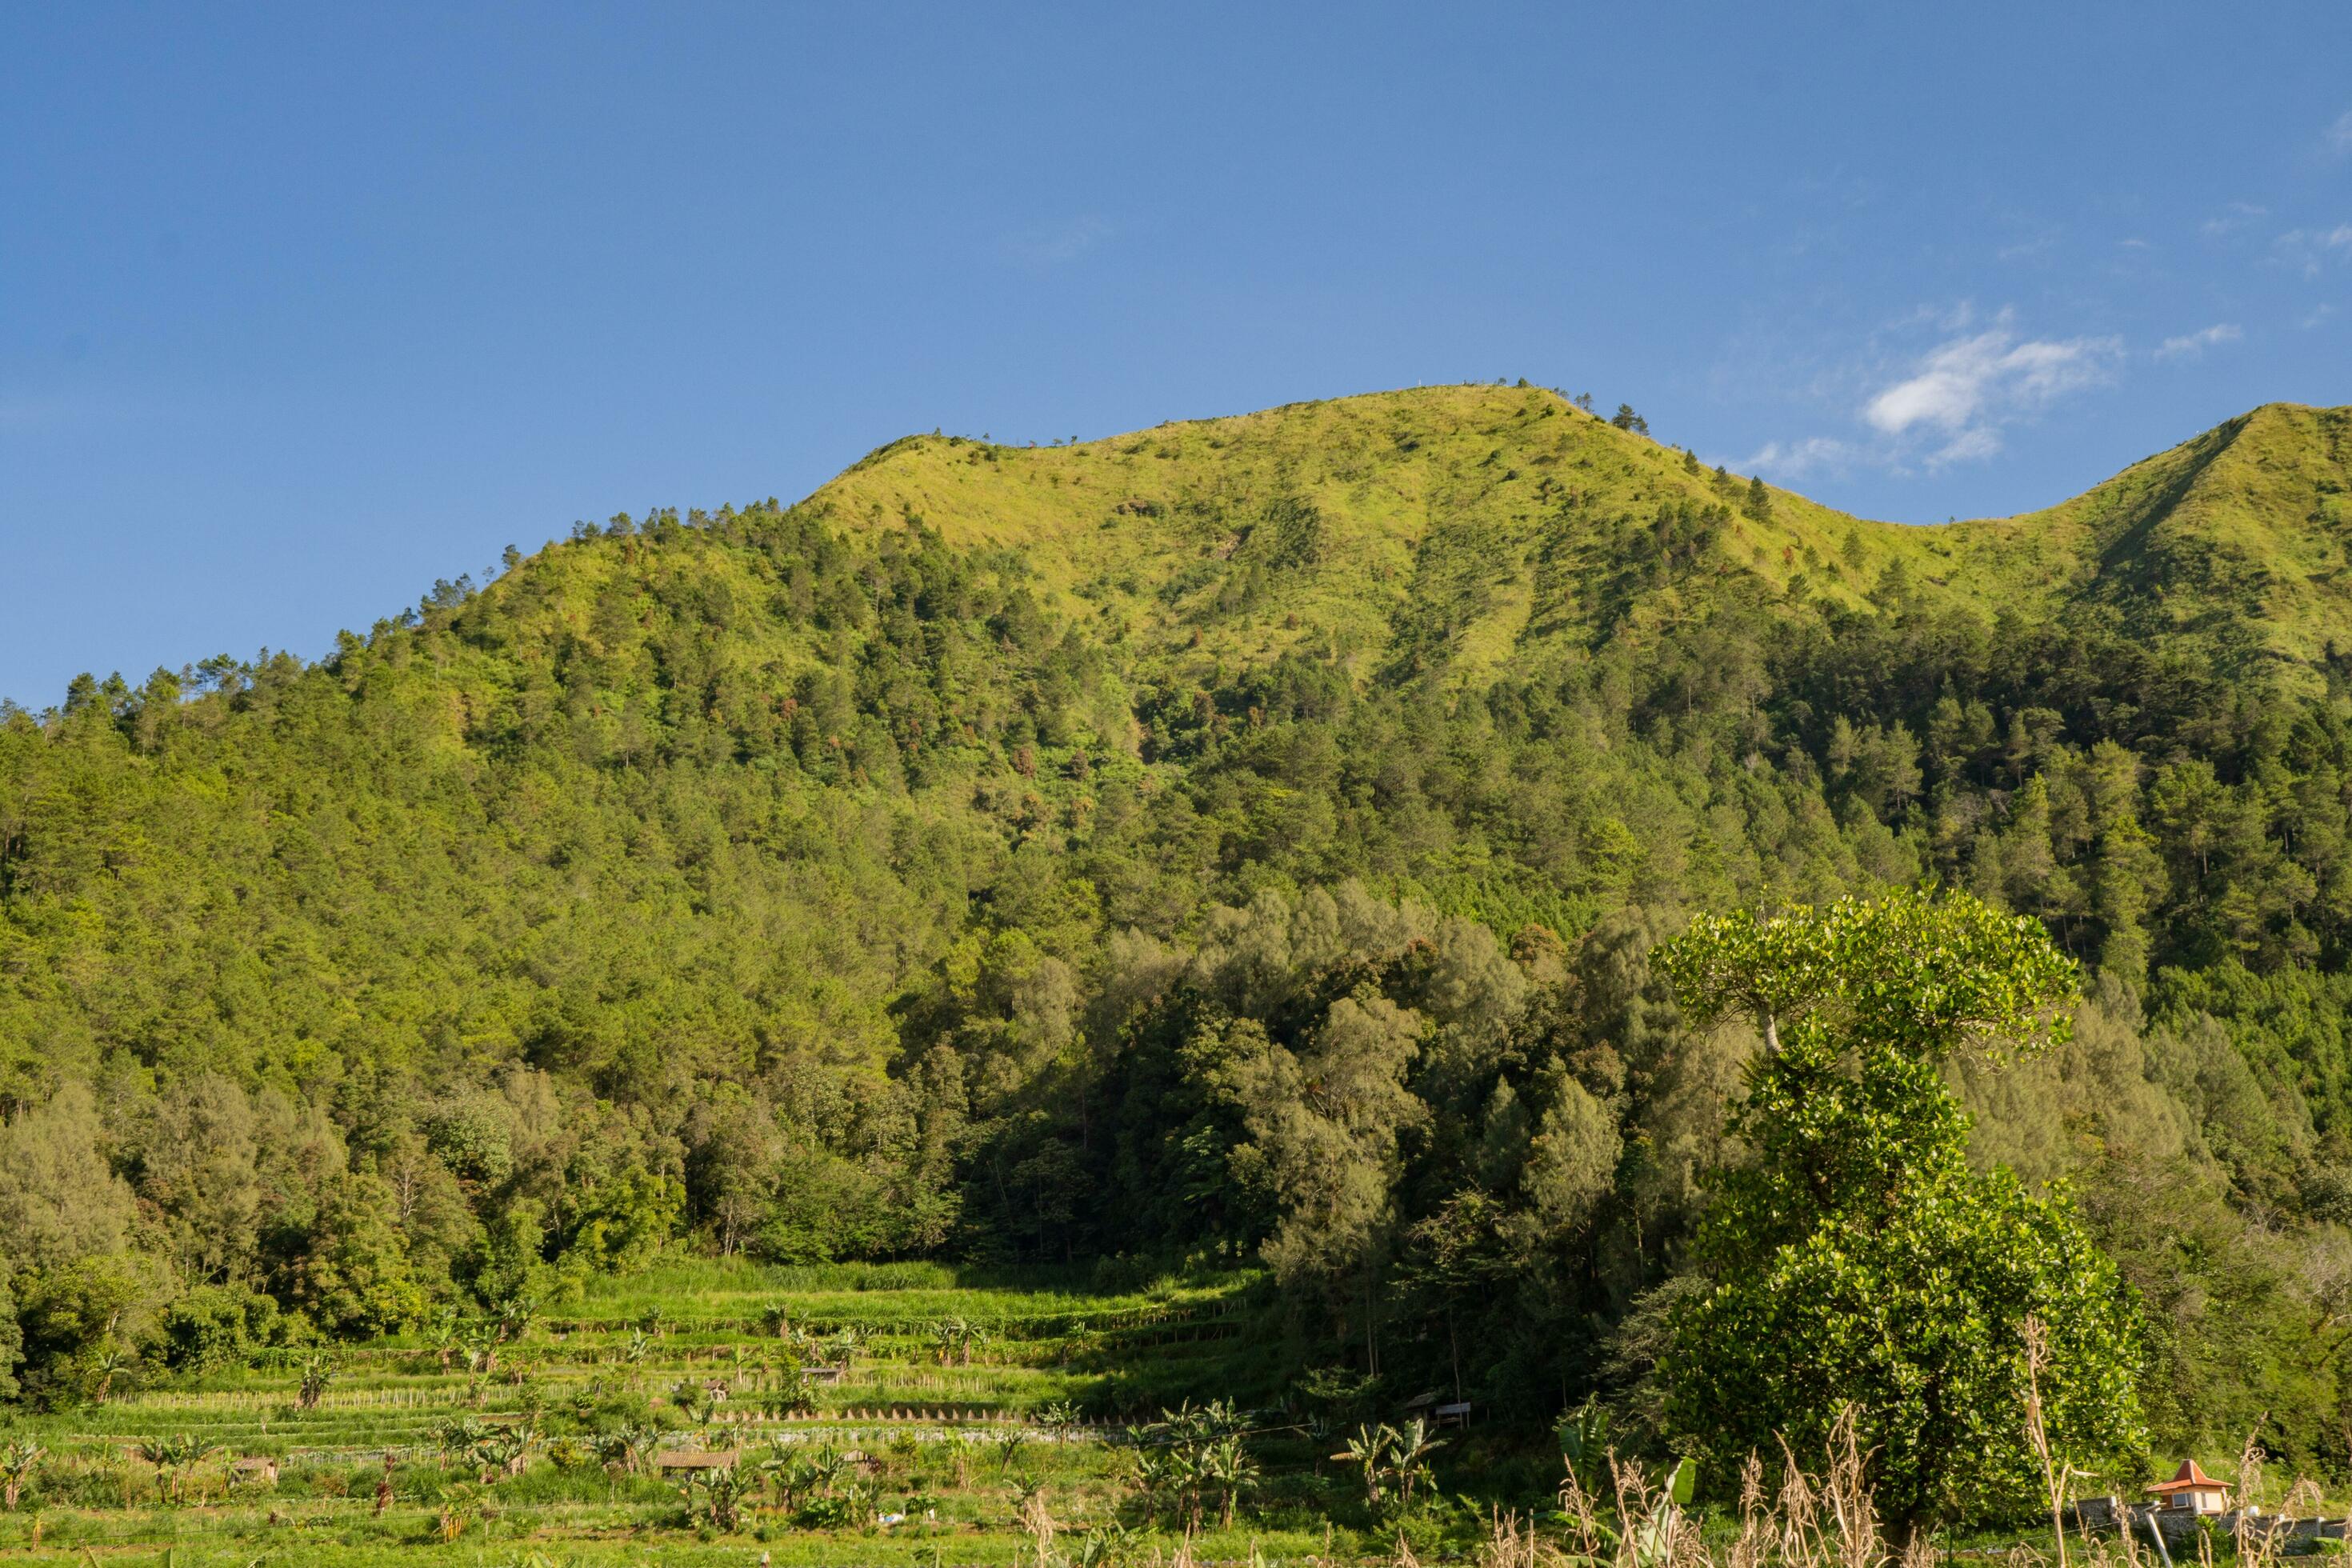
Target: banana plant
x=1410, y=1449
x=457, y=1436
x=480, y=1346
x=715, y=1498
x=174, y=1455
x=1061, y=1418
x=1229, y=1467
x=961, y=1447
x=827, y=1466
x=629, y=1450
x=459, y=1509
x=1184, y=1477
x=1153, y=1476
x=448, y=1336
x=318, y=1372
x=18, y=1460
x=516, y=1314
x=1369, y=1448
x=502, y=1451
x=111, y=1364
x=1105, y=1546
x=697, y=1401
x=791, y=1475
x=1650, y=1542
x=1584, y=1441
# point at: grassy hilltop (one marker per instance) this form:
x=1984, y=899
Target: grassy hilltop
x=1471, y=526
x=1457, y=527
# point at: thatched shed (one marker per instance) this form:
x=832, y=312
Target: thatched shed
x=687, y=1460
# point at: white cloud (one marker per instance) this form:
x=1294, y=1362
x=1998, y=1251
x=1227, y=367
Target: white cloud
x=1967, y=446
x=2317, y=318
x=1950, y=404
x=2306, y=249
x=2339, y=135
x=1796, y=459
x=1056, y=245
x=2189, y=345
x=2238, y=215
x=1967, y=387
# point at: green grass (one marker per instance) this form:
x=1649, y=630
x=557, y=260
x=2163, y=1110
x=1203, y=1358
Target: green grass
x=1441, y=507
x=933, y=1432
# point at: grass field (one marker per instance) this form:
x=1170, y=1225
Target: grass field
x=912, y=1414
x=904, y=1414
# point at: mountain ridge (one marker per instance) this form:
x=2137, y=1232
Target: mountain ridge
x=2176, y=519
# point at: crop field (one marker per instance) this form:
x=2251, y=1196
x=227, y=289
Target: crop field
x=873, y=1414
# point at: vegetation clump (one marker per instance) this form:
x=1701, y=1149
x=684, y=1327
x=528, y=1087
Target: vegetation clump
x=1858, y=1271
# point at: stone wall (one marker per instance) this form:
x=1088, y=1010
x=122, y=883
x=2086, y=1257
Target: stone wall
x=2177, y=1527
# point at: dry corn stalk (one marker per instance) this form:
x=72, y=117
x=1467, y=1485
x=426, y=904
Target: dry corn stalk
x=1755, y=1541
x=1510, y=1544
x=1038, y=1520
x=2257, y=1544
x=2037, y=1430
x=1583, y=1520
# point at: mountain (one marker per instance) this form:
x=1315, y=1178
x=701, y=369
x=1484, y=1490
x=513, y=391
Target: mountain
x=1481, y=515
x=2239, y=536
x=920, y=868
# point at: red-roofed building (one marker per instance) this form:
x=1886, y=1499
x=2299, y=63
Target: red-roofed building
x=2191, y=1490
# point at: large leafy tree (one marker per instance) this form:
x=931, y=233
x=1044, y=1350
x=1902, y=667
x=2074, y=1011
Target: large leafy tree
x=1859, y=1262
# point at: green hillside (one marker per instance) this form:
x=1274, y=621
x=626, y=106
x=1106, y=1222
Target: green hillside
x=2239, y=536
x=984, y=858
x=1471, y=526
x=1457, y=528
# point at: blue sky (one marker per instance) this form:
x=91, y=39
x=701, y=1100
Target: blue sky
x=303, y=308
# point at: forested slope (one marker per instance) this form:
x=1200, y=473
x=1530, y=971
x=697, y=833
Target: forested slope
x=1245, y=836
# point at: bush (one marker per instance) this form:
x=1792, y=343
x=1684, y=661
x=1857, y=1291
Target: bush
x=218, y=1326
x=826, y=1513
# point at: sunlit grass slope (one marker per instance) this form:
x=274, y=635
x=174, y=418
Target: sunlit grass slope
x=1463, y=527
x=1454, y=523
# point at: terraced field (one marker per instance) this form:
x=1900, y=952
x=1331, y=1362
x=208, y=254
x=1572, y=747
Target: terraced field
x=869, y=1415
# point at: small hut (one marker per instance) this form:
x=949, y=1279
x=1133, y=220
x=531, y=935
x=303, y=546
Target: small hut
x=260, y=1472
x=686, y=1462
x=2191, y=1490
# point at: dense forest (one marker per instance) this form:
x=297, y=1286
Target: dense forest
x=1242, y=841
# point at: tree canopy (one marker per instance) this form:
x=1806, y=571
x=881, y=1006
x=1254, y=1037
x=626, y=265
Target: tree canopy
x=1858, y=1264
